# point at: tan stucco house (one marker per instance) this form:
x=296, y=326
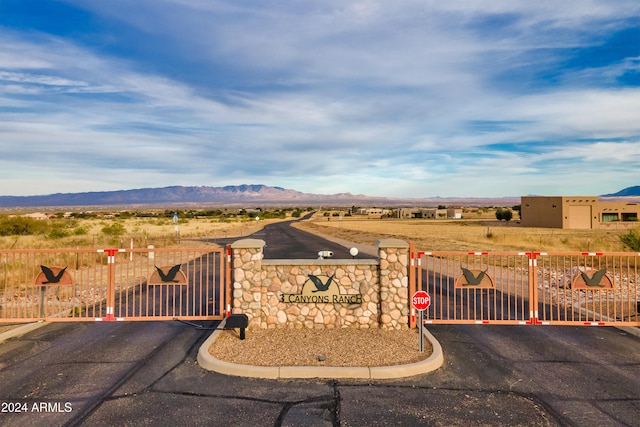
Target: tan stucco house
x=577, y=212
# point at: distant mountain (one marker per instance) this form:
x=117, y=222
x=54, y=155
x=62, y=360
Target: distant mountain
x=627, y=192
x=255, y=194
x=157, y=196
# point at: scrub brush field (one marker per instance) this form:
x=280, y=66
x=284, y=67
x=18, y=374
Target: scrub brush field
x=476, y=234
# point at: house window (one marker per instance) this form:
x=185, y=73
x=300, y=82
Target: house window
x=609, y=217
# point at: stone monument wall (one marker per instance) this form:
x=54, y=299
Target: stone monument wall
x=322, y=293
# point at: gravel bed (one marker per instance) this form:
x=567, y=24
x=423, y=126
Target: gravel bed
x=348, y=347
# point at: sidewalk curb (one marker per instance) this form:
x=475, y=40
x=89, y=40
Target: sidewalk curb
x=21, y=330
x=210, y=363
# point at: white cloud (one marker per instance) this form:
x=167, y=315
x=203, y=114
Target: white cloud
x=38, y=79
x=375, y=97
x=604, y=153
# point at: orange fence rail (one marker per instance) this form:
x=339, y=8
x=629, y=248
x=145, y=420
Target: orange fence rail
x=528, y=288
x=512, y=288
x=588, y=288
x=112, y=284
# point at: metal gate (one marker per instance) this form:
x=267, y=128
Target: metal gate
x=113, y=284
x=528, y=288
x=475, y=287
x=588, y=288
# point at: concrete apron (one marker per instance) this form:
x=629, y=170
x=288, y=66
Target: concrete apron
x=210, y=363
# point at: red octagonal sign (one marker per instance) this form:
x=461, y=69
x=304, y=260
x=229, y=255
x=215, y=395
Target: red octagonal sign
x=421, y=300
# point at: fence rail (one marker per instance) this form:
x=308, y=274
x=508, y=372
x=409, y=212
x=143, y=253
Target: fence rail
x=517, y=288
x=528, y=288
x=589, y=288
x=112, y=284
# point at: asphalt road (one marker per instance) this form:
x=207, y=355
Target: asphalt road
x=145, y=373
x=286, y=242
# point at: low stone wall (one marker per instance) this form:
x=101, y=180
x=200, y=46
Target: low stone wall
x=322, y=293
x=356, y=281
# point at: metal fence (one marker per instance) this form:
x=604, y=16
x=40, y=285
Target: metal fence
x=587, y=288
x=513, y=288
x=528, y=288
x=112, y=284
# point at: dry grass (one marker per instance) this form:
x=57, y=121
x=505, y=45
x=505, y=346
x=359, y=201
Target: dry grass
x=478, y=231
x=481, y=234
x=159, y=232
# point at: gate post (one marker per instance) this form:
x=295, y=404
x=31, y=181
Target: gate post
x=111, y=283
x=533, y=288
x=394, y=283
x=228, y=294
x=247, y=280
x=413, y=269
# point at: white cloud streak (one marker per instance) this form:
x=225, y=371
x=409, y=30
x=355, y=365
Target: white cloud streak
x=400, y=99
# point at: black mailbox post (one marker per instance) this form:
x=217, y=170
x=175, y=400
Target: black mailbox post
x=235, y=321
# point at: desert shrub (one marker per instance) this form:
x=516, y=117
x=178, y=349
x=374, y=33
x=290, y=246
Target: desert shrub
x=278, y=213
x=58, y=229
x=21, y=226
x=632, y=239
x=80, y=231
x=57, y=233
x=504, y=214
x=114, y=230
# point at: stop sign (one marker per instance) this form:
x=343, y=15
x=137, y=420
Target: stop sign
x=421, y=300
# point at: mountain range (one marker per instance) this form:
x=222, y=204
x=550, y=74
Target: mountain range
x=246, y=194
x=626, y=192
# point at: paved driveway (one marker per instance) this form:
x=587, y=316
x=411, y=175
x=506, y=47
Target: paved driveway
x=146, y=374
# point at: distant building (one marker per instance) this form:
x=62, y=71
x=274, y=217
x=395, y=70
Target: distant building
x=577, y=212
x=379, y=212
x=454, y=213
x=38, y=216
x=430, y=213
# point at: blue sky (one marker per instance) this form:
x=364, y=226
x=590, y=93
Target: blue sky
x=397, y=99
